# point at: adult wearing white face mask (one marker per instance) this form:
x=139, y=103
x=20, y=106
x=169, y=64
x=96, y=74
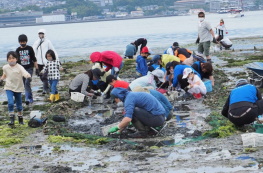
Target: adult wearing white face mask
x=205, y=32
x=41, y=46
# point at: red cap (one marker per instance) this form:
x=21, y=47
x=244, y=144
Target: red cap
x=145, y=50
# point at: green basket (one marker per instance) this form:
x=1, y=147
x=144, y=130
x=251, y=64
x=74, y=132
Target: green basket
x=258, y=127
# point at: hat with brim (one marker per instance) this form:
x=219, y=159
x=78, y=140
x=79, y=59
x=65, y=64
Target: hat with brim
x=241, y=82
x=97, y=73
x=186, y=72
x=159, y=74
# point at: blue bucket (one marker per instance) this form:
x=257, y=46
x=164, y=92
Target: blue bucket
x=208, y=85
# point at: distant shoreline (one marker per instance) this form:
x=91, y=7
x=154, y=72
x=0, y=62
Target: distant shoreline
x=83, y=21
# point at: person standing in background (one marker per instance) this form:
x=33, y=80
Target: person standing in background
x=41, y=46
x=205, y=32
x=26, y=58
x=221, y=29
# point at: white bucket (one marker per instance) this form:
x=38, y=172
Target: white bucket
x=37, y=114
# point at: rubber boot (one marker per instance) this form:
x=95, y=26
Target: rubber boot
x=52, y=97
x=12, y=120
x=57, y=97
x=142, y=130
x=20, y=120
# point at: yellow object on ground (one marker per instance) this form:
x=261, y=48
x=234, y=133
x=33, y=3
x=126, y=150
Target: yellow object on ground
x=52, y=97
x=57, y=97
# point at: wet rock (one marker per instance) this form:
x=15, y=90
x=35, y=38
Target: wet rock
x=60, y=169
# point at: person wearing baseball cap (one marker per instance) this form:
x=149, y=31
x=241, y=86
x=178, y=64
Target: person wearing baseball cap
x=151, y=79
x=141, y=62
x=196, y=86
x=142, y=109
x=244, y=104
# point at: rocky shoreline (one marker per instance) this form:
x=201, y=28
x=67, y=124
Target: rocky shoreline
x=190, y=143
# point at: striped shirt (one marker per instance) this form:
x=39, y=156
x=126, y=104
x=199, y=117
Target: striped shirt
x=81, y=80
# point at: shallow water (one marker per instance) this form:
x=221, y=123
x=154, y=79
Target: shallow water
x=81, y=39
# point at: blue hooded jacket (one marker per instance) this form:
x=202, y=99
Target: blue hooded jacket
x=141, y=65
x=163, y=100
x=138, y=99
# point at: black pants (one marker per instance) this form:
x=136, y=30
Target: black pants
x=247, y=118
x=148, y=119
x=164, y=86
x=43, y=78
x=77, y=90
x=183, y=82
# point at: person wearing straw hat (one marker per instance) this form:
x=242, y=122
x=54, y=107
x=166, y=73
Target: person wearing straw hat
x=243, y=104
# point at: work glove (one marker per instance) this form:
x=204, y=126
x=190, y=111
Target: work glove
x=116, y=69
x=37, y=72
x=29, y=79
x=214, y=40
x=2, y=83
x=197, y=40
x=113, y=129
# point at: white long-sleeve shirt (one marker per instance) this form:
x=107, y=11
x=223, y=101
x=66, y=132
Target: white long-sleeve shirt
x=41, y=49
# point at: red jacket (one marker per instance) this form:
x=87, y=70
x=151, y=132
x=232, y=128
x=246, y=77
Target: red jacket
x=109, y=58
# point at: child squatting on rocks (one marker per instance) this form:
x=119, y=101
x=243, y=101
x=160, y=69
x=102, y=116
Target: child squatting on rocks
x=53, y=66
x=14, y=73
x=196, y=85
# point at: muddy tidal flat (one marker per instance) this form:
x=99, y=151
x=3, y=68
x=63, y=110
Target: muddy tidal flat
x=197, y=138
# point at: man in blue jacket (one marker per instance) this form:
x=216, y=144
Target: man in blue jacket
x=160, y=97
x=142, y=109
x=244, y=104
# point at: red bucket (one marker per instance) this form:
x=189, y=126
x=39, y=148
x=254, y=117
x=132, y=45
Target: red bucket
x=161, y=90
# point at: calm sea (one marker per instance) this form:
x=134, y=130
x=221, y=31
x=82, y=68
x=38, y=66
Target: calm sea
x=81, y=39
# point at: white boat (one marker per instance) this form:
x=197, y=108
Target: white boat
x=223, y=11
x=236, y=12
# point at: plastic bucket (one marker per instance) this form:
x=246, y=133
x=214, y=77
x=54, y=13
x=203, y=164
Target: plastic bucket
x=77, y=97
x=258, y=127
x=36, y=114
x=208, y=85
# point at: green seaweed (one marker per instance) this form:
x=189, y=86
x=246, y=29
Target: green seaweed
x=42, y=107
x=70, y=64
x=79, y=138
x=14, y=135
x=221, y=126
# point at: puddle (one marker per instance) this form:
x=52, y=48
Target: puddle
x=35, y=88
x=234, y=69
x=116, y=158
x=211, y=169
x=48, y=150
